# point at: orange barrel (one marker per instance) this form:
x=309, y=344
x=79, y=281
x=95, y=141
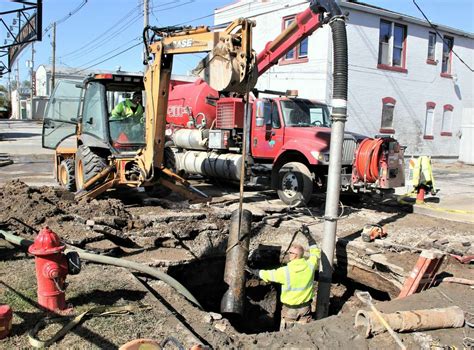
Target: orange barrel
x=5, y=320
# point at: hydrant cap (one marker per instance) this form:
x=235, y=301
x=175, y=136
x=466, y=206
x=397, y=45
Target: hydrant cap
x=47, y=242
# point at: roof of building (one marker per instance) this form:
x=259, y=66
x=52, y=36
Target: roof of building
x=357, y=5
x=361, y=6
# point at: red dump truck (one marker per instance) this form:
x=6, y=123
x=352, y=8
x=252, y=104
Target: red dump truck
x=289, y=137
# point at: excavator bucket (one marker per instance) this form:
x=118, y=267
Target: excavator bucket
x=228, y=69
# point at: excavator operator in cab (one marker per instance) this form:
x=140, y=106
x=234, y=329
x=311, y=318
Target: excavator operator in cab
x=129, y=108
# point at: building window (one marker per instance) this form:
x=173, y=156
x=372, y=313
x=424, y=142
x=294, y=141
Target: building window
x=392, y=46
x=300, y=52
x=431, y=59
x=448, y=43
x=447, y=123
x=388, y=106
x=429, y=120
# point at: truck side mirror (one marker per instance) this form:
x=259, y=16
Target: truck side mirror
x=259, y=121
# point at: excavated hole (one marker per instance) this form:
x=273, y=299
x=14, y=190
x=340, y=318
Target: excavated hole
x=204, y=279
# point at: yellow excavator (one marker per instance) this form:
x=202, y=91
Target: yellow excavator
x=96, y=152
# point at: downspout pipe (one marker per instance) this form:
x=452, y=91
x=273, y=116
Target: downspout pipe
x=338, y=117
x=107, y=260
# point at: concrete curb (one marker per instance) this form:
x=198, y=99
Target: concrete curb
x=423, y=210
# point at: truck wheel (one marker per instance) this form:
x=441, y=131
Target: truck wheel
x=88, y=164
x=295, y=184
x=66, y=176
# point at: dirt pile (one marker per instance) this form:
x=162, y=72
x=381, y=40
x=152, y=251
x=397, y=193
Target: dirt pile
x=41, y=206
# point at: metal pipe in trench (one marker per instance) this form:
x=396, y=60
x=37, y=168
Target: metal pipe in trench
x=237, y=253
x=407, y=321
x=107, y=260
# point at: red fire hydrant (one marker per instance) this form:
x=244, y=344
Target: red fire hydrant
x=52, y=267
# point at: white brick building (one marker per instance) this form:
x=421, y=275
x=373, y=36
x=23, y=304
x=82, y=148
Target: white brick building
x=397, y=68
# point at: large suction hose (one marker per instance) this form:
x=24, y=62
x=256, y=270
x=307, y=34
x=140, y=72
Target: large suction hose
x=107, y=260
x=338, y=118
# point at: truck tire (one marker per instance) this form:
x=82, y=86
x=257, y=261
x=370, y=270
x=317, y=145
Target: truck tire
x=66, y=175
x=295, y=184
x=88, y=164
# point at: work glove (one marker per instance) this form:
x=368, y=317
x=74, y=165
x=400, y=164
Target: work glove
x=253, y=272
x=307, y=234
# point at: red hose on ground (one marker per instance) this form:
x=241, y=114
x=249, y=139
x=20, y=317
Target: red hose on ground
x=367, y=159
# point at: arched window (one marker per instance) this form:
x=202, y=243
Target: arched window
x=388, y=106
x=429, y=120
x=447, y=123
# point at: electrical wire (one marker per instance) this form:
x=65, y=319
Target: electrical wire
x=437, y=32
x=109, y=58
x=69, y=15
x=100, y=37
x=109, y=52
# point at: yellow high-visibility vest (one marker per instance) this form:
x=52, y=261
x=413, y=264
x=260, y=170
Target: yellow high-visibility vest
x=296, y=278
x=124, y=110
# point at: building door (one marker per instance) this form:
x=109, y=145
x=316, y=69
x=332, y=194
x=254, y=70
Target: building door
x=466, y=144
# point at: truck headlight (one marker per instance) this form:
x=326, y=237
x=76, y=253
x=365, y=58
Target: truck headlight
x=318, y=155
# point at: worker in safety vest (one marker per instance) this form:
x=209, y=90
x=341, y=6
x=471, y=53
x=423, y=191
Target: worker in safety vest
x=129, y=108
x=296, y=279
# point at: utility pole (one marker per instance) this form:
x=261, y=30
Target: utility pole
x=31, y=73
x=53, y=73
x=145, y=24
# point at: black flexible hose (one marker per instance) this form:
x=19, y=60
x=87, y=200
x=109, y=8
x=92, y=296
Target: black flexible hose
x=339, y=37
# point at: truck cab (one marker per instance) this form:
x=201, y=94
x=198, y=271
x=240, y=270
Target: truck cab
x=293, y=134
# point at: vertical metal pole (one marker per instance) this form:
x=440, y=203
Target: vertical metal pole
x=146, y=12
x=18, y=88
x=53, y=73
x=31, y=73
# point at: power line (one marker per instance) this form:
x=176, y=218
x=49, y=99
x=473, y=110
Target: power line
x=73, y=12
x=101, y=35
x=69, y=15
x=445, y=42
x=109, y=58
x=105, y=40
x=109, y=52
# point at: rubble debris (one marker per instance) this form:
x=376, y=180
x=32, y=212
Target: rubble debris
x=463, y=259
x=408, y=321
x=5, y=159
x=457, y=280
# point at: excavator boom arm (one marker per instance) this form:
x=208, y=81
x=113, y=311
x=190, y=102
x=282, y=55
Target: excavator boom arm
x=303, y=26
x=230, y=66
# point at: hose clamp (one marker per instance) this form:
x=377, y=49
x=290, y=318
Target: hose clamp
x=337, y=18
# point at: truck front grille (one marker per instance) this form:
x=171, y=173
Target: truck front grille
x=348, y=148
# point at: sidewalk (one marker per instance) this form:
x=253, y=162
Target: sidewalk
x=455, y=182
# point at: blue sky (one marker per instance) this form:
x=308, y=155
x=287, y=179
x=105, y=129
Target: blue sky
x=103, y=28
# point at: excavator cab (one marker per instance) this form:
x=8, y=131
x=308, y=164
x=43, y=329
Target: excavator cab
x=82, y=125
